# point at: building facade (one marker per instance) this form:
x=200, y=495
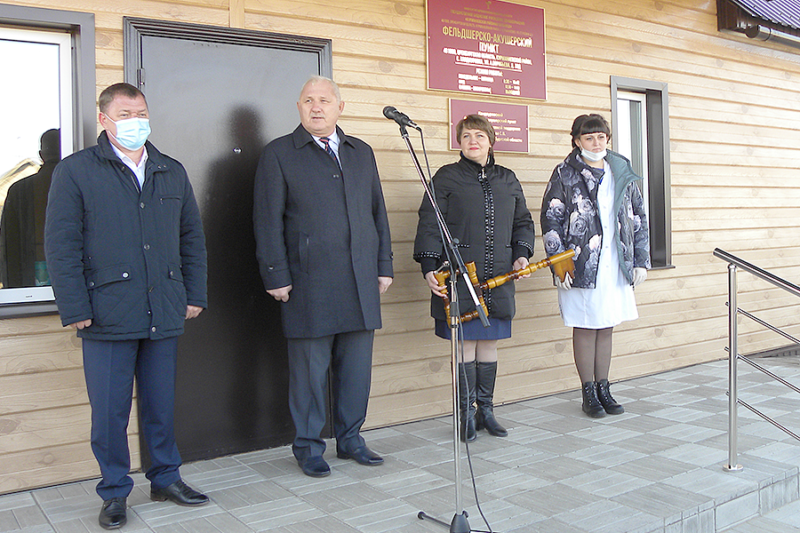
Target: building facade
x=721, y=110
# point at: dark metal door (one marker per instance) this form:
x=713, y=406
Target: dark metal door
x=216, y=97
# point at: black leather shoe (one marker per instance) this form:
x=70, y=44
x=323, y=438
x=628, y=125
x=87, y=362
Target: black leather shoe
x=314, y=466
x=113, y=514
x=362, y=455
x=180, y=493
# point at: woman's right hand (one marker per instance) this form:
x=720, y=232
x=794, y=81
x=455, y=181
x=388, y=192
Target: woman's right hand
x=433, y=285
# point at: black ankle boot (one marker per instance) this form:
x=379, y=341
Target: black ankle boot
x=467, y=400
x=604, y=395
x=591, y=404
x=486, y=374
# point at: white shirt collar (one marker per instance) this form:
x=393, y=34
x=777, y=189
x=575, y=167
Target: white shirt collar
x=138, y=170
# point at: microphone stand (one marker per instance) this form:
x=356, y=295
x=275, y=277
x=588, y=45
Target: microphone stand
x=459, y=524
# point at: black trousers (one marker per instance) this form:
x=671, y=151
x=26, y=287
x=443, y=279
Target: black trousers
x=349, y=357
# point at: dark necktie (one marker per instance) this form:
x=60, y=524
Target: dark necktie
x=328, y=148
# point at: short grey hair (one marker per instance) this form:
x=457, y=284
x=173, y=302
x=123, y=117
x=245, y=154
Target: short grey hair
x=313, y=80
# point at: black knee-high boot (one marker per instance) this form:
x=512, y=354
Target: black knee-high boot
x=486, y=374
x=467, y=400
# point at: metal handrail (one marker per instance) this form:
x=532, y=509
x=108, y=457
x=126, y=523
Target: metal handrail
x=758, y=272
x=734, y=355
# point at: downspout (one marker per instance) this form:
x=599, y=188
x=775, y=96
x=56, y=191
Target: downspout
x=763, y=33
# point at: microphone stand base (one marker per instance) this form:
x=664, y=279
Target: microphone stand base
x=458, y=525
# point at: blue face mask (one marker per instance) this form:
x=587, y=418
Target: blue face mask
x=132, y=132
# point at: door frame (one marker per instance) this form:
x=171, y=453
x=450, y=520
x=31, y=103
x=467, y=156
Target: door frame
x=135, y=28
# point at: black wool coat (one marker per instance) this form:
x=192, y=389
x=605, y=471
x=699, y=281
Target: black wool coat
x=323, y=230
x=485, y=209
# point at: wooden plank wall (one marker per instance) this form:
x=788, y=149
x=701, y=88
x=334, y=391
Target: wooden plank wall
x=734, y=111
x=44, y=409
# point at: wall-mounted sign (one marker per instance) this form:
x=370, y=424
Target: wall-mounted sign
x=486, y=47
x=510, y=123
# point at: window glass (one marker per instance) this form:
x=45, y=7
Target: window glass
x=36, y=134
x=631, y=140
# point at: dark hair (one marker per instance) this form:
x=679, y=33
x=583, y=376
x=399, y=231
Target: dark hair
x=50, y=144
x=593, y=123
x=112, y=91
x=475, y=122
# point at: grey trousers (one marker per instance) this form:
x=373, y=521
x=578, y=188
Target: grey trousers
x=349, y=357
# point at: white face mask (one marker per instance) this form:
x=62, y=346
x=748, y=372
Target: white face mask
x=593, y=156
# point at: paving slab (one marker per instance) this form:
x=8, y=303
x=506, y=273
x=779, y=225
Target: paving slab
x=658, y=468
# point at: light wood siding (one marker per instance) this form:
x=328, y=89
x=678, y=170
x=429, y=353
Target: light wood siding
x=44, y=410
x=734, y=111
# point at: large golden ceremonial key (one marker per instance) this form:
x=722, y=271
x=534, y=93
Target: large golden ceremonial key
x=562, y=266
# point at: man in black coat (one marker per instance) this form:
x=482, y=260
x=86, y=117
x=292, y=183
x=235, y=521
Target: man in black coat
x=127, y=259
x=324, y=250
x=22, y=261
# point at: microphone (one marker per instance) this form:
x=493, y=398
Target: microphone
x=401, y=118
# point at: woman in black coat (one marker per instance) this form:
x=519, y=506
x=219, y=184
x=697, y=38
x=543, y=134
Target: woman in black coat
x=484, y=208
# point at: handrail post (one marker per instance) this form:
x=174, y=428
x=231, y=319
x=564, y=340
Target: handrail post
x=733, y=355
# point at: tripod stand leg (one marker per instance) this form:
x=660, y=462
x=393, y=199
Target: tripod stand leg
x=458, y=525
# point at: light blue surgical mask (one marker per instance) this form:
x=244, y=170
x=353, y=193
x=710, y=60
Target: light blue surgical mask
x=593, y=156
x=132, y=132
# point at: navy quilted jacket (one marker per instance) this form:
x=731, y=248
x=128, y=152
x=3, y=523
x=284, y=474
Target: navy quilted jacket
x=130, y=261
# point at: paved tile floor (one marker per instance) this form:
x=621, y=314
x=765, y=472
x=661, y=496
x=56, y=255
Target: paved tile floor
x=657, y=468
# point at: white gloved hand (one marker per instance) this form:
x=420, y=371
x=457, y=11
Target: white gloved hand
x=639, y=275
x=566, y=284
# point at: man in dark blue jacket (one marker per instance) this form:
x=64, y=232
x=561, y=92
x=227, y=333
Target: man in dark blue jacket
x=127, y=260
x=323, y=245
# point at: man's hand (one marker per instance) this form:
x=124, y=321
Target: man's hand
x=281, y=294
x=192, y=311
x=82, y=324
x=383, y=283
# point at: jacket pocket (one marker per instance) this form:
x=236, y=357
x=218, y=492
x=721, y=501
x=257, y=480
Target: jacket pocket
x=171, y=206
x=108, y=291
x=175, y=273
x=103, y=276
x=508, y=258
x=175, y=292
x=168, y=197
x=303, y=251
